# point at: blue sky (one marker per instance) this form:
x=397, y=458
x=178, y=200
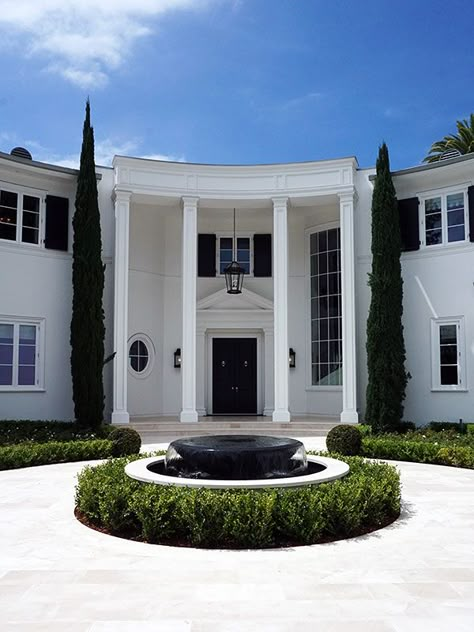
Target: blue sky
x=235, y=81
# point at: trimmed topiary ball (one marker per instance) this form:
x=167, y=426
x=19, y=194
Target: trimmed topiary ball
x=125, y=441
x=344, y=439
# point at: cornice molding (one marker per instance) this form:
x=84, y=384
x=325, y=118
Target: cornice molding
x=223, y=182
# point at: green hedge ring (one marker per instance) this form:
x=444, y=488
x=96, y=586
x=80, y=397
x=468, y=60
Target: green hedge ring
x=368, y=498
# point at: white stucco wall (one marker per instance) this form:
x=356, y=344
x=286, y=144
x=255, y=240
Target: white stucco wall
x=36, y=283
x=446, y=275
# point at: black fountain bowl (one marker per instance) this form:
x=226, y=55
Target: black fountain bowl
x=158, y=467
x=235, y=457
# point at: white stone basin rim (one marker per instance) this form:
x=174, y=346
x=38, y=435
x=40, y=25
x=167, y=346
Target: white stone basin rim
x=334, y=469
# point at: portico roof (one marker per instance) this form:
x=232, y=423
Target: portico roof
x=231, y=182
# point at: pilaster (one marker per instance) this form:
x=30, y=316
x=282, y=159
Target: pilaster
x=349, y=366
x=280, y=308
x=189, y=272
x=121, y=255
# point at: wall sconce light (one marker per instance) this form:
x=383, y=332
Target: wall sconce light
x=292, y=358
x=177, y=359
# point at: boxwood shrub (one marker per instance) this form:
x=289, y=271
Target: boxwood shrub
x=402, y=449
x=367, y=498
x=29, y=454
x=344, y=439
x=126, y=441
x=13, y=432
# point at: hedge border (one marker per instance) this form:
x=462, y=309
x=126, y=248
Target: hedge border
x=14, y=432
x=393, y=448
x=368, y=498
x=32, y=454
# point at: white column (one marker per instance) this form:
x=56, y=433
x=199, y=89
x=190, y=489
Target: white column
x=188, y=347
x=280, y=308
x=349, y=367
x=122, y=215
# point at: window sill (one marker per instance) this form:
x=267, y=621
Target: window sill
x=32, y=249
x=22, y=389
x=438, y=250
x=246, y=276
x=454, y=389
x=449, y=245
x=324, y=388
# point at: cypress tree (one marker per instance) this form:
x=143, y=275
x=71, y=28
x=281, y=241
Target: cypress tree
x=87, y=324
x=387, y=378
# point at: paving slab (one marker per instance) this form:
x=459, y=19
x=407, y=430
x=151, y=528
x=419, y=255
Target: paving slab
x=56, y=574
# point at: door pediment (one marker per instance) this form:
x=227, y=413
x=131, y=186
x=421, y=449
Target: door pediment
x=248, y=300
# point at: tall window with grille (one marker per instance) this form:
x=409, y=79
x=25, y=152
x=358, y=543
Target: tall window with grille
x=448, y=356
x=19, y=355
x=326, y=310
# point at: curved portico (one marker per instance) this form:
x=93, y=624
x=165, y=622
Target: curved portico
x=169, y=205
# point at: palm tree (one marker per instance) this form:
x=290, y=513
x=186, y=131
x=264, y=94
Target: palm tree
x=454, y=144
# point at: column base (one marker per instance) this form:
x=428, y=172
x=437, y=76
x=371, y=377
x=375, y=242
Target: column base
x=120, y=417
x=283, y=416
x=188, y=416
x=349, y=417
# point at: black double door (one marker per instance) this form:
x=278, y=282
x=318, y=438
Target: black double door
x=234, y=376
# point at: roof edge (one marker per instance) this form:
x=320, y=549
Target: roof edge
x=238, y=165
x=44, y=165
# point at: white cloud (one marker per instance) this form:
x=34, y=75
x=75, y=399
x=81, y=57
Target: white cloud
x=105, y=150
x=300, y=101
x=83, y=40
x=165, y=157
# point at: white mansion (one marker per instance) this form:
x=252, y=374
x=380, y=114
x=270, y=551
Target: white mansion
x=291, y=344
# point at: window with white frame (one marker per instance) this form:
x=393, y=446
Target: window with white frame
x=444, y=218
x=19, y=355
x=326, y=310
x=20, y=215
x=448, y=364
x=225, y=252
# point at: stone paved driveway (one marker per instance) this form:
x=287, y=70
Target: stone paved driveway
x=57, y=575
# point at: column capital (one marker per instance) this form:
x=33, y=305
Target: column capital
x=348, y=196
x=280, y=201
x=122, y=195
x=189, y=201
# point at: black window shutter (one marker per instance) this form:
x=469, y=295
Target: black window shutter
x=262, y=255
x=206, y=255
x=470, y=197
x=409, y=224
x=57, y=223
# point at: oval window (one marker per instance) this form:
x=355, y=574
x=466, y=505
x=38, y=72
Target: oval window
x=139, y=356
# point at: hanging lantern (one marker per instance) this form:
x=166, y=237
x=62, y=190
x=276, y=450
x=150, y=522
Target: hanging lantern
x=234, y=278
x=234, y=273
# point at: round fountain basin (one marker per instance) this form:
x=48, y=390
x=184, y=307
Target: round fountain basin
x=234, y=457
x=332, y=469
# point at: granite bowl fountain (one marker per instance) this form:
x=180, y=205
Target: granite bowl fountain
x=236, y=461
